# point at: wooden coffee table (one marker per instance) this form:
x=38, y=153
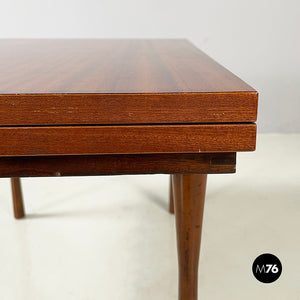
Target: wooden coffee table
x=106, y=107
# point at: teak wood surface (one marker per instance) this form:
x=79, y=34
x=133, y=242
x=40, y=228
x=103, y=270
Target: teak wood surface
x=90, y=81
x=137, y=139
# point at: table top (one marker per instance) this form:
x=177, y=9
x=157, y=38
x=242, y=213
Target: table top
x=111, y=66
x=90, y=97
x=97, y=81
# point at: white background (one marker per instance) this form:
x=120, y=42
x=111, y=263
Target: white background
x=257, y=40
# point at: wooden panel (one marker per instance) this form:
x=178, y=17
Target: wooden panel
x=118, y=82
x=111, y=66
x=72, y=140
x=79, y=165
x=127, y=108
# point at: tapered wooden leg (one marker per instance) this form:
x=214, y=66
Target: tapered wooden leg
x=17, y=198
x=171, y=200
x=189, y=195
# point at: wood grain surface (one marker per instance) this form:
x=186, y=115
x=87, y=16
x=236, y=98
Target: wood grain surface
x=95, y=81
x=134, y=139
x=84, y=165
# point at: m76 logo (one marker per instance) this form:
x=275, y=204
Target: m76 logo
x=267, y=268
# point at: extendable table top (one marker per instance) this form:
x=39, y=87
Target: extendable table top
x=94, y=96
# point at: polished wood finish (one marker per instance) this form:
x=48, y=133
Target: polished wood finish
x=185, y=108
x=84, y=165
x=111, y=66
x=17, y=198
x=189, y=195
x=92, y=81
x=73, y=140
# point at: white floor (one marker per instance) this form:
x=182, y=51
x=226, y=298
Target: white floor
x=113, y=238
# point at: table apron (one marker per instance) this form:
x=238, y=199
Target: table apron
x=117, y=164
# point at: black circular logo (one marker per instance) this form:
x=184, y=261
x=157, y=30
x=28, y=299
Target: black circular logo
x=267, y=268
